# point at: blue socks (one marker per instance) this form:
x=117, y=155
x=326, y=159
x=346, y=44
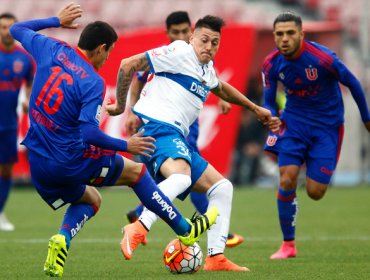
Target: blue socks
x=154, y=199
x=287, y=208
x=5, y=185
x=74, y=219
x=200, y=201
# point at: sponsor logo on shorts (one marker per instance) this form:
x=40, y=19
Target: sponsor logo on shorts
x=271, y=140
x=326, y=171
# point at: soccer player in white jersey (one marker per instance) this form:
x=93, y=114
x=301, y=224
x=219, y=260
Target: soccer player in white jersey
x=181, y=77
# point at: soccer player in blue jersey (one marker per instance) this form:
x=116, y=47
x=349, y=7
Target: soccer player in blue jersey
x=16, y=67
x=68, y=153
x=178, y=27
x=312, y=121
x=182, y=75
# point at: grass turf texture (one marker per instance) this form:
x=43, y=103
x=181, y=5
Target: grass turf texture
x=333, y=238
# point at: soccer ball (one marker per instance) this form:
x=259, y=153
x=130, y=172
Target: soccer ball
x=179, y=258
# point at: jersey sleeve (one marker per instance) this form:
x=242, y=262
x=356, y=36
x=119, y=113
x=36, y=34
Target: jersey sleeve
x=269, y=88
x=167, y=58
x=33, y=42
x=346, y=77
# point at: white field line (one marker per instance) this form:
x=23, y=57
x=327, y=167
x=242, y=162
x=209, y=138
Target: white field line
x=158, y=240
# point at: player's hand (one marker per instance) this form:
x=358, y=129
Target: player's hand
x=138, y=145
x=224, y=107
x=132, y=123
x=263, y=114
x=68, y=14
x=367, y=125
x=274, y=124
x=113, y=108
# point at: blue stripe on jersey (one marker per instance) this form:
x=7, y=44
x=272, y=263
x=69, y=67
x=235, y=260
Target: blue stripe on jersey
x=177, y=125
x=189, y=83
x=150, y=62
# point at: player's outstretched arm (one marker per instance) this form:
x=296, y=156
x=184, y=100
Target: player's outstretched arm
x=68, y=14
x=230, y=94
x=126, y=72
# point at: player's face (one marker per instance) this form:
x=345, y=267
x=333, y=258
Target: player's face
x=205, y=43
x=288, y=38
x=180, y=31
x=6, y=39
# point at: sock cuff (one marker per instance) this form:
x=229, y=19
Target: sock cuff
x=285, y=196
x=142, y=173
x=217, y=185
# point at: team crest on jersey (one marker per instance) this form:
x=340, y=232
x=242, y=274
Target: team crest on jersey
x=311, y=73
x=271, y=140
x=17, y=66
x=98, y=113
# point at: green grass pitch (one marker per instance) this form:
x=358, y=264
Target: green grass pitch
x=333, y=238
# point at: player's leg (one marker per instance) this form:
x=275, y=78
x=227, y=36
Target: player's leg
x=5, y=186
x=135, y=213
x=287, y=205
x=220, y=192
x=291, y=147
x=136, y=176
x=76, y=215
x=177, y=180
x=200, y=202
x=8, y=156
x=58, y=187
x=322, y=160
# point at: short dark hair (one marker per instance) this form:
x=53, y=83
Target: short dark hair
x=97, y=33
x=8, y=16
x=211, y=22
x=288, y=16
x=177, y=17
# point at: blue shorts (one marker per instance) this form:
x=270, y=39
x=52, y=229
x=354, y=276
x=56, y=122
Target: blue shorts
x=170, y=143
x=272, y=143
x=8, y=146
x=193, y=135
x=59, y=184
x=318, y=147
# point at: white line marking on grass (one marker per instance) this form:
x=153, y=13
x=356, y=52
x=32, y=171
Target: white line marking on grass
x=159, y=240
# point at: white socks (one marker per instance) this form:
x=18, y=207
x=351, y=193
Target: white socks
x=220, y=195
x=174, y=185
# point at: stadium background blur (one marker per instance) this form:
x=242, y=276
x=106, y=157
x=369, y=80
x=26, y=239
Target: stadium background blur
x=341, y=26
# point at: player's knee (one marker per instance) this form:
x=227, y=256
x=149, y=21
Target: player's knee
x=287, y=182
x=315, y=190
x=316, y=194
x=96, y=200
x=131, y=174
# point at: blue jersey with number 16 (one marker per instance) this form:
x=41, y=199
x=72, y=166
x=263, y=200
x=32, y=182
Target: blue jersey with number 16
x=67, y=91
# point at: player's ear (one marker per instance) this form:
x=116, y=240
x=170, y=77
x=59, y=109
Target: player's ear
x=102, y=48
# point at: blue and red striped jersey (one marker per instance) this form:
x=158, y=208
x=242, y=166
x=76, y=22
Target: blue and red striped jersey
x=66, y=91
x=311, y=80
